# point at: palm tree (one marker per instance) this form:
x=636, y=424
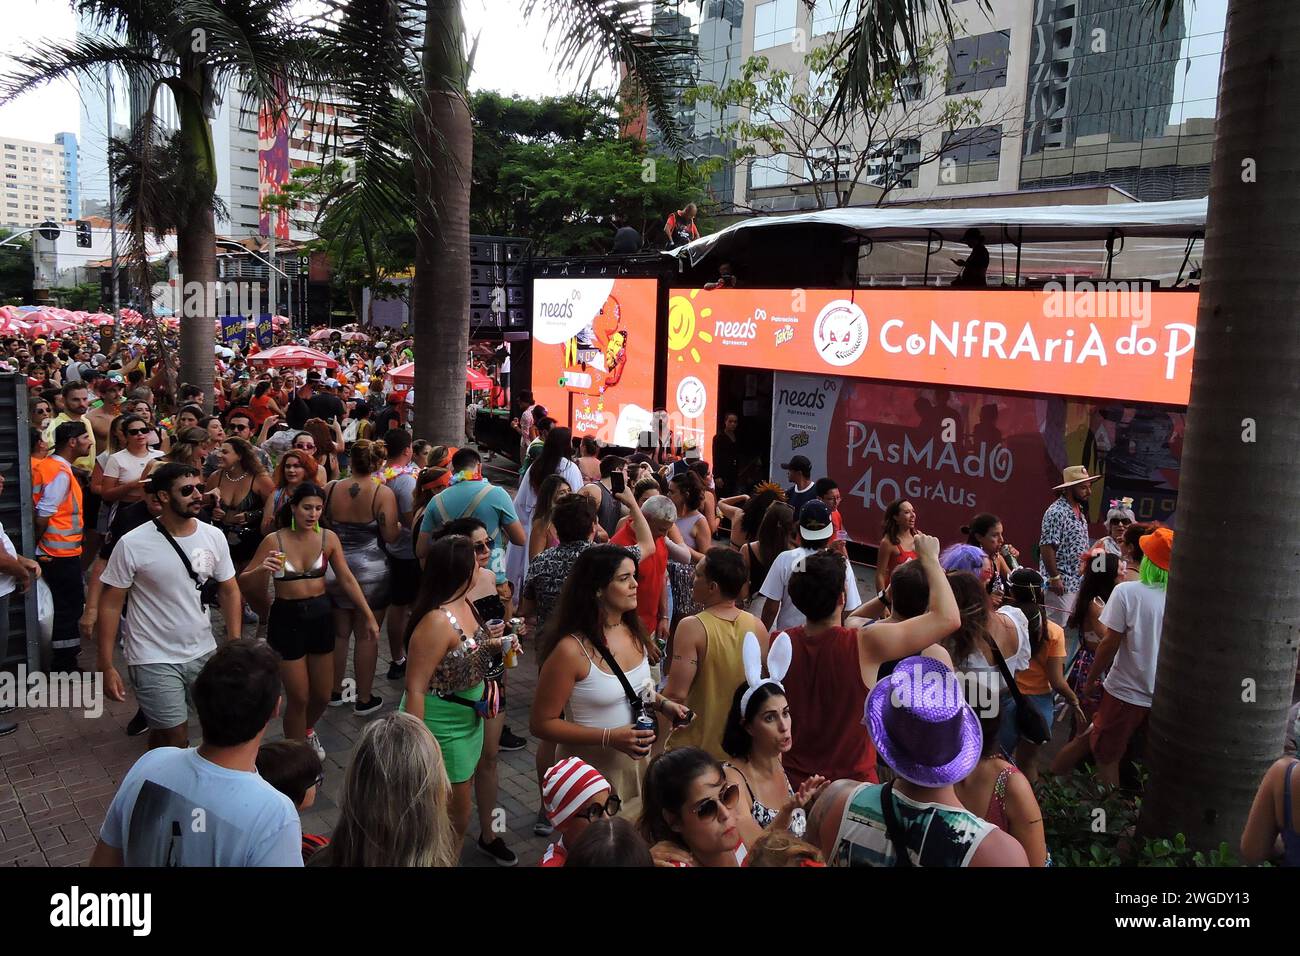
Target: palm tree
x=195, y=50
x=1228, y=650
x=390, y=71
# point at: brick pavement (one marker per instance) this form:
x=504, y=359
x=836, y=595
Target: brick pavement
x=59, y=772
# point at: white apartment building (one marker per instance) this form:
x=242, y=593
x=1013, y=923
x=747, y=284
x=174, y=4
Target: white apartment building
x=36, y=183
x=988, y=61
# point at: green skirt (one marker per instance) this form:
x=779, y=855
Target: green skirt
x=458, y=730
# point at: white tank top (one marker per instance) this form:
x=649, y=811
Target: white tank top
x=598, y=699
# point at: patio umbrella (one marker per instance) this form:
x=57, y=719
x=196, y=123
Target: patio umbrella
x=355, y=337
x=405, y=375
x=321, y=335
x=293, y=356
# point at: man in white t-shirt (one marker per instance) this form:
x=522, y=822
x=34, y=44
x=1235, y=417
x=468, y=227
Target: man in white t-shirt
x=154, y=817
x=168, y=635
x=815, y=531
x=1133, y=618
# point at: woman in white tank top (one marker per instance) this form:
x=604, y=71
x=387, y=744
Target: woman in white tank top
x=593, y=630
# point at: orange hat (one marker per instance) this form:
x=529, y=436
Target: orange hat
x=1158, y=546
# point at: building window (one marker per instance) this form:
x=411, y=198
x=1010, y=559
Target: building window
x=774, y=111
x=978, y=63
x=970, y=155
x=768, y=171
x=830, y=16
x=773, y=23
x=822, y=86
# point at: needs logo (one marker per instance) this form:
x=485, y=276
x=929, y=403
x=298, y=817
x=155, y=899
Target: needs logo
x=840, y=332
x=692, y=396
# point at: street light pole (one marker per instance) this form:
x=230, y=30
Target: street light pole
x=112, y=206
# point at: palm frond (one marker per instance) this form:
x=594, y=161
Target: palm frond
x=592, y=32
x=83, y=59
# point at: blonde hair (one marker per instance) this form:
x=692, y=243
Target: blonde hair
x=367, y=456
x=393, y=808
x=782, y=848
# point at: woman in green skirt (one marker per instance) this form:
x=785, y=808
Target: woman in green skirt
x=449, y=666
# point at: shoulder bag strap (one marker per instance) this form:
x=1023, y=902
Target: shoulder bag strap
x=893, y=828
x=198, y=586
x=1006, y=671
x=633, y=700
x=437, y=503
x=476, y=500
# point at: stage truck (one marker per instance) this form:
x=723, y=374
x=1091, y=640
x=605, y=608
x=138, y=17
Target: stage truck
x=843, y=338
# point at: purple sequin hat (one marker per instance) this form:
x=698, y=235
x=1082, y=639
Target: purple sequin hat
x=921, y=724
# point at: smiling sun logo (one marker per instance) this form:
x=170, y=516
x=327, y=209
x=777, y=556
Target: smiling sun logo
x=681, y=326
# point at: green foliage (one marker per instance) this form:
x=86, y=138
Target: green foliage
x=16, y=271
x=81, y=297
x=556, y=170
x=781, y=114
x=1078, y=835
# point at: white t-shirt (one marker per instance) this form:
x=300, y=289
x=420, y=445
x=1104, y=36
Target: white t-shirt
x=8, y=583
x=126, y=467
x=1138, y=611
x=165, y=623
x=778, y=579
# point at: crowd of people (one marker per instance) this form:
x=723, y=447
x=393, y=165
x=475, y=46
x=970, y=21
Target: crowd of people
x=713, y=688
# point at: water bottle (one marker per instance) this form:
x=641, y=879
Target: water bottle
x=1012, y=563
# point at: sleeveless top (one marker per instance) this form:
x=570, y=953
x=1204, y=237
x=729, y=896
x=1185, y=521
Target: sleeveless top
x=247, y=503
x=765, y=815
x=355, y=535
x=716, y=680
x=997, y=812
x=608, y=511
x=1290, y=839
x=758, y=569
x=826, y=695
x=900, y=556
x=598, y=699
x=686, y=526
x=314, y=570
x=936, y=835
x=463, y=667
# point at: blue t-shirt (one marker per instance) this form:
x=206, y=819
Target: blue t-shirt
x=496, y=510
x=177, y=809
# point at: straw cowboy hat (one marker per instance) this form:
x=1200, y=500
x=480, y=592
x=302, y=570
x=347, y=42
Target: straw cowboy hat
x=1075, y=475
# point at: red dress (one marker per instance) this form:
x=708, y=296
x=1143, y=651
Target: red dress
x=900, y=557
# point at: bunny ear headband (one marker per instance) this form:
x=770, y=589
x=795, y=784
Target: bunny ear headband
x=778, y=663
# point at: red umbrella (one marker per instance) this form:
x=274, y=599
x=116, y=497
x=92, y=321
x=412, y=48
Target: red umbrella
x=405, y=375
x=355, y=337
x=11, y=326
x=294, y=356
x=321, y=335
x=99, y=318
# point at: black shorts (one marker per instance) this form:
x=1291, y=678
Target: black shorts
x=92, y=504
x=403, y=581
x=300, y=627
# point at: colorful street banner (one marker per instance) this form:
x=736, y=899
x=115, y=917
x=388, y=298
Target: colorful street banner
x=232, y=330
x=593, y=355
x=954, y=453
x=265, y=333
x=272, y=167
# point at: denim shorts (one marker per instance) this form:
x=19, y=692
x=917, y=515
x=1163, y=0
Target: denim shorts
x=163, y=691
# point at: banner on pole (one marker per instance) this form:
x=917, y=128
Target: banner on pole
x=265, y=336
x=232, y=330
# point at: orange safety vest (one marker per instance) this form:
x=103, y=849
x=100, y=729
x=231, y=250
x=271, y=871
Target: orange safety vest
x=62, y=538
x=43, y=469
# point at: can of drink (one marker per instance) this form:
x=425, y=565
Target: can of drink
x=516, y=625
x=510, y=651
x=645, y=722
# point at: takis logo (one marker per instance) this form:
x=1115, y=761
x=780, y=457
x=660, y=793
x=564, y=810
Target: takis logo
x=840, y=332
x=784, y=334
x=691, y=397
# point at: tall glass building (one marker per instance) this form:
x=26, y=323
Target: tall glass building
x=1113, y=97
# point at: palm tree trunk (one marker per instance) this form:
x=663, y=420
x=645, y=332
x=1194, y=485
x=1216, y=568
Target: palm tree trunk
x=195, y=245
x=1228, y=651
x=440, y=289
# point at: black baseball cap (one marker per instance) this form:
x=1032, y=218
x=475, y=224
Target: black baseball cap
x=815, y=520
x=798, y=463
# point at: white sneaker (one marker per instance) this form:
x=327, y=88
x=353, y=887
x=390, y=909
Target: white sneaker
x=316, y=745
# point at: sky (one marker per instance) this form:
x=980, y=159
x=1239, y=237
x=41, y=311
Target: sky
x=511, y=58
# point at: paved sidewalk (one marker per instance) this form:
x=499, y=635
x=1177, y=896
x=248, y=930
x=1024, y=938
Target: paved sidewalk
x=59, y=772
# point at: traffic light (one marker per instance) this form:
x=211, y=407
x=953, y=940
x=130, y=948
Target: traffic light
x=83, y=234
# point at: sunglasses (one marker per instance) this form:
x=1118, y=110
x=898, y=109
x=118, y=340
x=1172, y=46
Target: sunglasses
x=1121, y=521
x=594, y=812
x=137, y=431
x=239, y=428
x=708, y=809
x=186, y=491
x=320, y=780
x=482, y=547
x=305, y=447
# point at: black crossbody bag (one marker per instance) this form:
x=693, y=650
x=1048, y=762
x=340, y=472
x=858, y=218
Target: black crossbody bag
x=209, y=589
x=1029, y=722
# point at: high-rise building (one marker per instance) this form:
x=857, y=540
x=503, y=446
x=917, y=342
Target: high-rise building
x=36, y=185
x=1115, y=98
x=71, y=173
x=1072, y=93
